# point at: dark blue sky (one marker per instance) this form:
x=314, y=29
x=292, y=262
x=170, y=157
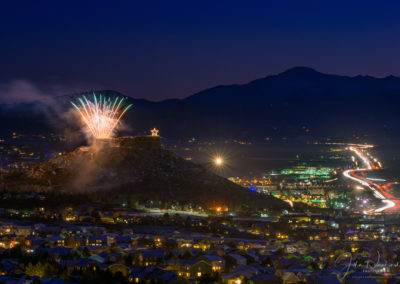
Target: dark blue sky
x=165, y=49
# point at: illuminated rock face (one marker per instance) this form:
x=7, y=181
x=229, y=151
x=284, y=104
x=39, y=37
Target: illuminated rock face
x=137, y=168
x=131, y=142
x=141, y=142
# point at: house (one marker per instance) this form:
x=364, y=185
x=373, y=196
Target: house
x=55, y=240
x=333, y=235
x=72, y=230
x=289, y=278
x=57, y=252
x=200, y=269
x=217, y=263
x=96, y=249
x=33, y=244
x=80, y=264
x=182, y=266
x=49, y=231
x=137, y=275
x=265, y=279
x=232, y=278
x=170, y=244
x=81, y=239
x=118, y=267
x=99, y=258
x=111, y=239
x=148, y=257
x=251, y=257
x=125, y=239
x=232, y=260
x=23, y=231
x=247, y=270
x=163, y=277
x=101, y=240
x=202, y=243
x=152, y=274
x=184, y=242
x=351, y=235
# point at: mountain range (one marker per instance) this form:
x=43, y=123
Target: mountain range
x=300, y=104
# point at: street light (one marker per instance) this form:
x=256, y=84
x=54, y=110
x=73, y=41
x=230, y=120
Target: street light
x=218, y=161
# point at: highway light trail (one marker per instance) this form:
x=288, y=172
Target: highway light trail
x=390, y=205
x=380, y=191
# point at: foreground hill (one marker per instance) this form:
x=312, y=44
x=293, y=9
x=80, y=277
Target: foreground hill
x=299, y=103
x=115, y=170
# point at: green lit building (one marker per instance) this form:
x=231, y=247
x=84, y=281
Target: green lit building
x=307, y=173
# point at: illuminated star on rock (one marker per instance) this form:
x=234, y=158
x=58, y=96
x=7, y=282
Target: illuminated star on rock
x=154, y=132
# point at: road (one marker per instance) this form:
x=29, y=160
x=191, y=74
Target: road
x=380, y=191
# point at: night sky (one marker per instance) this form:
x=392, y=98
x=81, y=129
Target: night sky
x=167, y=49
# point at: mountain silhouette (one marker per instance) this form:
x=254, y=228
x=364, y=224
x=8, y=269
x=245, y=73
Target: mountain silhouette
x=300, y=103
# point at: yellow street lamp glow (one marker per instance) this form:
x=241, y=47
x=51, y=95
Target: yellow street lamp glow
x=218, y=161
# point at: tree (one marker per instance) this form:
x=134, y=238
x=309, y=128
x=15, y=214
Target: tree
x=16, y=252
x=166, y=218
x=35, y=270
x=50, y=270
x=188, y=221
x=128, y=260
x=177, y=218
x=85, y=252
x=41, y=270
x=209, y=278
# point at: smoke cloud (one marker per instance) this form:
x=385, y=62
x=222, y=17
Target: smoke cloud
x=52, y=101
x=25, y=91
x=48, y=100
x=20, y=91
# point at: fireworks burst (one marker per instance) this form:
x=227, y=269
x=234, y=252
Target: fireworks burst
x=101, y=115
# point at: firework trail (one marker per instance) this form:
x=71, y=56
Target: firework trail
x=101, y=115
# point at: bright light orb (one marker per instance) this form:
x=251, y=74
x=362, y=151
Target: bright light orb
x=218, y=161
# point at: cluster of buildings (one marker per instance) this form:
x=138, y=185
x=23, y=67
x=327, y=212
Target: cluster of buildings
x=22, y=151
x=175, y=243
x=286, y=248
x=314, y=186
